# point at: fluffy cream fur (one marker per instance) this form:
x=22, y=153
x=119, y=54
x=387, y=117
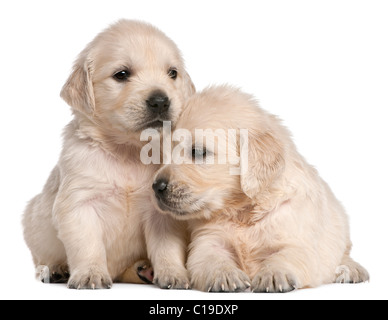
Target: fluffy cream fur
x=94, y=217
x=276, y=227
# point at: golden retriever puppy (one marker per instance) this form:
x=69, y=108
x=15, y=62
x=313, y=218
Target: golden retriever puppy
x=94, y=218
x=276, y=226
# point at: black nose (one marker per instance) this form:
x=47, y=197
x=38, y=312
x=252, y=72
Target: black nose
x=158, y=102
x=160, y=187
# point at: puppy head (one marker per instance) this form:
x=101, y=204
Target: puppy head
x=129, y=78
x=202, y=189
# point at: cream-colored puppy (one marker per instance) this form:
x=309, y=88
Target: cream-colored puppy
x=275, y=227
x=94, y=218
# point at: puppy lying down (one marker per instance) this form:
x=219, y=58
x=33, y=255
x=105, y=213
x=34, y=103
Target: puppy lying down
x=276, y=227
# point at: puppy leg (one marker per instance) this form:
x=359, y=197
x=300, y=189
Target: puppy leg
x=284, y=271
x=350, y=271
x=275, y=280
x=48, y=252
x=41, y=235
x=212, y=267
x=81, y=232
x=166, y=245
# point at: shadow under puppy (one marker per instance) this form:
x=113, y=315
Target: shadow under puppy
x=94, y=218
x=276, y=227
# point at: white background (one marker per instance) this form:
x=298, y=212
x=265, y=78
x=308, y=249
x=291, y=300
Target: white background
x=321, y=65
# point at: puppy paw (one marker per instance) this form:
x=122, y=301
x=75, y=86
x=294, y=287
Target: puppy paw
x=226, y=279
x=93, y=278
x=144, y=271
x=351, y=273
x=274, y=282
x=55, y=274
x=172, y=279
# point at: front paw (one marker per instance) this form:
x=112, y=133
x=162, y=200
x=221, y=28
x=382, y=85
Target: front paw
x=91, y=278
x=224, y=279
x=274, y=282
x=172, y=279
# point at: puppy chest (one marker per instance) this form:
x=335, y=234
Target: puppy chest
x=135, y=186
x=134, y=199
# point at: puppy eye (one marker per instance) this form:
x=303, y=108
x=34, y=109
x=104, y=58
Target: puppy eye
x=122, y=75
x=198, y=153
x=173, y=73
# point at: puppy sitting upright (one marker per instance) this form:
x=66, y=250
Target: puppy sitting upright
x=94, y=218
x=275, y=227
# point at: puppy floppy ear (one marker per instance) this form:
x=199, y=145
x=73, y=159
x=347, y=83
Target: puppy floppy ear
x=189, y=87
x=261, y=163
x=78, y=90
